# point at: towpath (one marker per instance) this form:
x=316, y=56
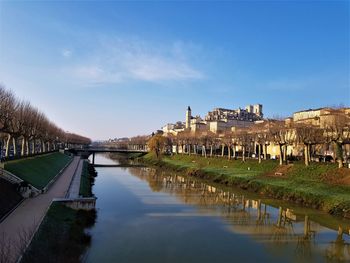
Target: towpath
x=17, y=229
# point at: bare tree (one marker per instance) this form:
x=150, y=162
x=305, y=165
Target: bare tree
x=244, y=140
x=308, y=135
x=278, y=134
x=21, y=122
x=337, y=131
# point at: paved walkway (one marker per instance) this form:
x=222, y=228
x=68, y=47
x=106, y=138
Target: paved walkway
x=18, y=227
x=74, y=187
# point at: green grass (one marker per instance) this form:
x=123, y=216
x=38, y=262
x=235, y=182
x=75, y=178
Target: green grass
x=61, y=236
x=87, y=180
x=300, y=184
x=39, y=170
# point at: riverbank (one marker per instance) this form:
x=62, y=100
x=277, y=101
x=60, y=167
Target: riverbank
x=17, y=228
x=88, y=176
x=61, y=236
x=321, y=186
x=38, y=170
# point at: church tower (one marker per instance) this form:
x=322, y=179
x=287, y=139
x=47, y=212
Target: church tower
x=188, y=117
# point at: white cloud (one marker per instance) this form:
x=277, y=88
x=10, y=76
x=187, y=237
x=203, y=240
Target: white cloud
x=66, y=53
x=159, y=68
x=95, y=75
x=117, y=60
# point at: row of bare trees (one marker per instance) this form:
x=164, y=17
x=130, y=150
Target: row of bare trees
x=257, y=138
x=26, y=130
x=305, y=138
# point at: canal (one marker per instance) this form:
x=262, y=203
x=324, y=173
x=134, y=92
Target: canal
x=148, y=215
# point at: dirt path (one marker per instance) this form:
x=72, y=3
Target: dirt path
x=18, y=227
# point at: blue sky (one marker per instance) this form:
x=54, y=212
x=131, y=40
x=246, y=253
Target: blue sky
x=112, y=69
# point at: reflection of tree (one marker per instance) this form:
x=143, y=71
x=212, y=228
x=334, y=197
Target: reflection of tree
x=304, y=245
x=283, y=229
x=243, y=215
x=339, y=250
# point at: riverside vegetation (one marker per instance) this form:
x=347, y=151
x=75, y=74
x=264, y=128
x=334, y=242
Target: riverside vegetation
x=319, y=185
x=38, y=170
x=87, y=179
x=61, y=236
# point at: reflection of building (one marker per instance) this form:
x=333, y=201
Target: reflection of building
x=277, y=228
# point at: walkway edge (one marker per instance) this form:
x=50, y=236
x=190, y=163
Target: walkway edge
x=72, y=180
x=44, y=190
x=33, y=234
x=47, y=209
x=53, y=180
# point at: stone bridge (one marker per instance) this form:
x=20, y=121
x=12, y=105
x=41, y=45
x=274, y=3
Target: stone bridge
x=86, y=152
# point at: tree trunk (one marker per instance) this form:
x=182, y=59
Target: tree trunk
x=27, y=147
x=189, y=149
x=259, y=152
x=234, y=152
x=222, y=150
x=14, y=141
x=285, y=154
x=211, y=150
x=281, y=154
x=339, y=154
x=33, y=146
x=306, y=155
x=8, y=145
x=204, y=149
x=229, y=152
x=23, y=147
x=243, y=154
x=265, y=152
x=43, y=147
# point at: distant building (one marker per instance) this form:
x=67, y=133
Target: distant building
x=174, y=129
x=188, y=117
x=221, y=119
x=319, y=117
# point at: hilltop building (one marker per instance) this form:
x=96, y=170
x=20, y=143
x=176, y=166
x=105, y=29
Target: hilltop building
x=221, y=119
x=218, y=120
x=320, y=117
x=174, y=129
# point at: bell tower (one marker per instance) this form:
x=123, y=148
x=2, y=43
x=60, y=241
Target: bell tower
x=188, y=117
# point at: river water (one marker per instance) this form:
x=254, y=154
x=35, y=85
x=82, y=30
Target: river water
x=148, y=215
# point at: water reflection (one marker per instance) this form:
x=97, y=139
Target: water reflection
x=278, y=228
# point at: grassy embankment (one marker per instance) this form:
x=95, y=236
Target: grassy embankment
x=319, y=185
x=87, y=180
x=61, y=236
x=39, y=170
